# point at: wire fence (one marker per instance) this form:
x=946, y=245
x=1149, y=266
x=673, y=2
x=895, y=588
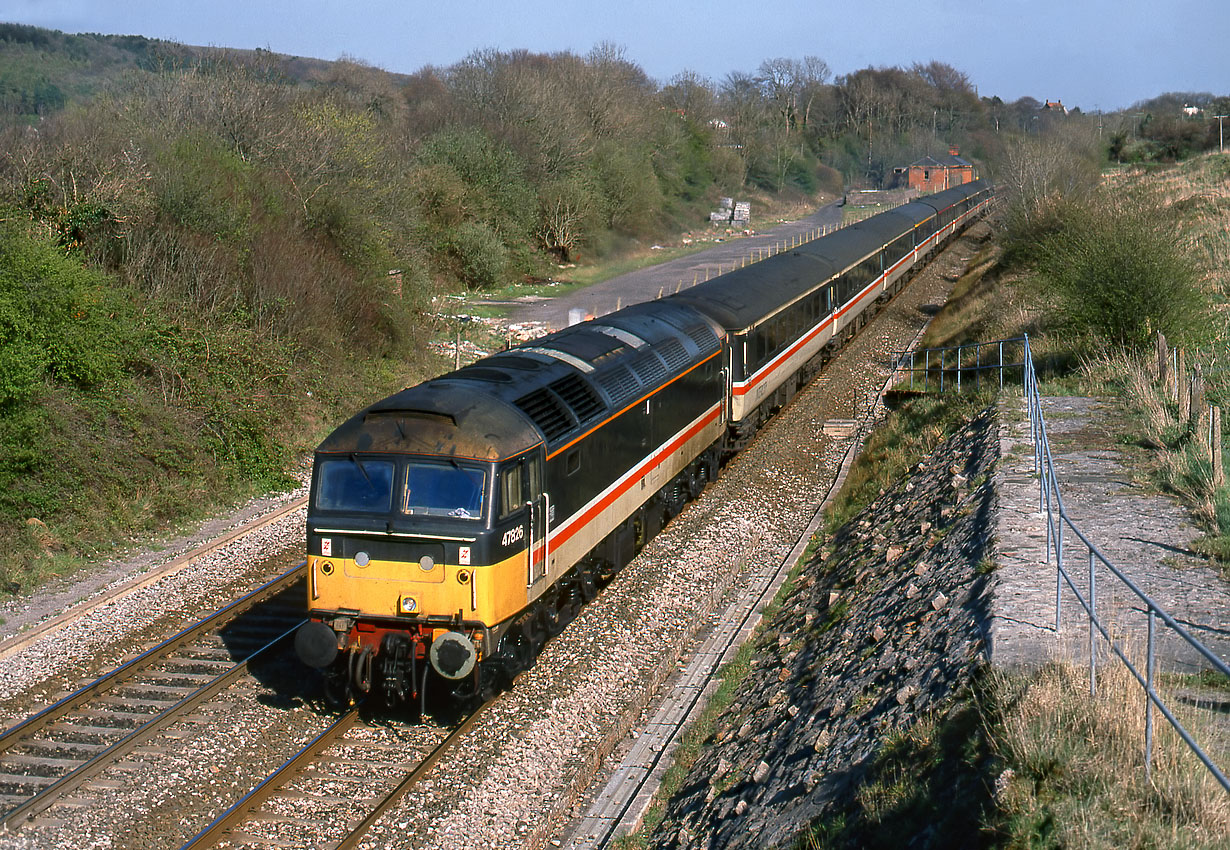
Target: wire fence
x=967, y=367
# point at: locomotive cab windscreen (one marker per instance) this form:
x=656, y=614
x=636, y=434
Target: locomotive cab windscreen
x=426, y=487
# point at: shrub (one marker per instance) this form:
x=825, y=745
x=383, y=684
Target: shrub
x=480, y=257
x=1120, y=271
x=57, y=319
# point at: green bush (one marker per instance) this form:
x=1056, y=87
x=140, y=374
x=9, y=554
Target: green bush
x=57, y=320
x=480, y=257
x=1119, y=270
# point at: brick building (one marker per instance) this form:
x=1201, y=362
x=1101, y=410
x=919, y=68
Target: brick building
x=934, y=174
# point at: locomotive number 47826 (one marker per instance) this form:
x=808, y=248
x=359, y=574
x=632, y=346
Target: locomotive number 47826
x=513, y=535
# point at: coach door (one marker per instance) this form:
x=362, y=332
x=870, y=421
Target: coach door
x=540, y=518
x=525, y=515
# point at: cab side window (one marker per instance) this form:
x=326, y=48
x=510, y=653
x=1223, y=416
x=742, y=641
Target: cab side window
x=511, y=495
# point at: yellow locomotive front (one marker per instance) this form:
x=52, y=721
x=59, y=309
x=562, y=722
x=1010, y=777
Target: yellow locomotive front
x=421, y=533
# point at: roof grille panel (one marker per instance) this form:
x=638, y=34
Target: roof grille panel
x=547, y=413
x=676, y=357
x=620, y=384
x=579, y=396
x=704, y=337
x=649, y=369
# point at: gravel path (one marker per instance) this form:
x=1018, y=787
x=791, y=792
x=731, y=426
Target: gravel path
x=1145, y=534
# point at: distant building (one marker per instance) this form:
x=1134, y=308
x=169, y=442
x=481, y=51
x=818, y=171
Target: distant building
x=1191, y=111
x=934, y=174
x=1055, y=106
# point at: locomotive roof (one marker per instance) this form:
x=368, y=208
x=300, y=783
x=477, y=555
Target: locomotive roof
x=438, y=418
x=549, y=388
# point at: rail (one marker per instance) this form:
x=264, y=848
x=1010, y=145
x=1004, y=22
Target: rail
x=1050, y=503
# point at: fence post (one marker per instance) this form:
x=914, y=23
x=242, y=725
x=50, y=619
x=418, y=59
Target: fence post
x=1162, y=360
x=1219, y=471
x=1149, y=696
x=1181, y=386
x=1093, y=618
x=1196, y=402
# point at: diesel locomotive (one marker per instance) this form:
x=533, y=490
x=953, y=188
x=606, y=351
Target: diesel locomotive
x=455, y=526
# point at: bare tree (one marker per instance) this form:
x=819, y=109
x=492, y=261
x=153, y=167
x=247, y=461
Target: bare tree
x=692, y=96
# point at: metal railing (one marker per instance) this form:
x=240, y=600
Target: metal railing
x=1050, y=503
x=958, y=367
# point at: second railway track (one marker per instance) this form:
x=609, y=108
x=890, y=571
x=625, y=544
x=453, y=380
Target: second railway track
x=330, y=793
x=53, y=752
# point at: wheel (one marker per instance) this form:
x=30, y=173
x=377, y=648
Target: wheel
x=515, y=649
x=586, y=586
x=337, y=692
x=555, y=617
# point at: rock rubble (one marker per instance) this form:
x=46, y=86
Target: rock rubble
x=880, y=627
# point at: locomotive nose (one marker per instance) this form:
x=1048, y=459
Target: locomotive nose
x=316, y=644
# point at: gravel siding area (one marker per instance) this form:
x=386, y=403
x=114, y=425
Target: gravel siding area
x=76, y=653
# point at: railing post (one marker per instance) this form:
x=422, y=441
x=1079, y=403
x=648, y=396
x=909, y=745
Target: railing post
x=1149, y=696
x=1093, y=617
x=1058, y=536
x=959, y=368
x=941, y=371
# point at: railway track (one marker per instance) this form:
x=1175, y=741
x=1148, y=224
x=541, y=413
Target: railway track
x=339, y=776
x=332, y=791
x=620, y=806
x=51, y=753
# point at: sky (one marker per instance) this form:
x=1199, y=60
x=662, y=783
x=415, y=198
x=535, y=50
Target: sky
x=1094, y=54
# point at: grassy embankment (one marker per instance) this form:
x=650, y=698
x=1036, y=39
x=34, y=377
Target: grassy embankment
x=208, y=257
x=127, y=417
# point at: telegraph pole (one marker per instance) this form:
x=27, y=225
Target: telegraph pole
x=1221, y=137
